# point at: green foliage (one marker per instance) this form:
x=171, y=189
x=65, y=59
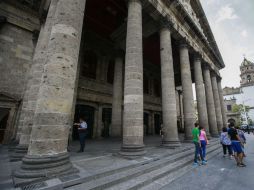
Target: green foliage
x=240, y=108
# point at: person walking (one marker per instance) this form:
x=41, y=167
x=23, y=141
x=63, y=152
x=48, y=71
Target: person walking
x=226, y=143
x=196, y=141
x=203, y=142
x=242, y=138
x=236, y=146
x=82, y=131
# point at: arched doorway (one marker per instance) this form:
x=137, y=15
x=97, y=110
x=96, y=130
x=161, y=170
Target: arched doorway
x=231, y=121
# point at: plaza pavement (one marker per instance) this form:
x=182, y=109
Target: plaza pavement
x=219, y=174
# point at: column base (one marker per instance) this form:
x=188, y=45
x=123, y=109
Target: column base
x=19, y=152
x=132, y=151
x=215, y=135
x=188, y=139
x=39, y=168
x=170, y=143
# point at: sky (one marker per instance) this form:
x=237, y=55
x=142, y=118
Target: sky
x=232, y=23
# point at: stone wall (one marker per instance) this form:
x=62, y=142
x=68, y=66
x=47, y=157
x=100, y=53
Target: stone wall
x=16, y=53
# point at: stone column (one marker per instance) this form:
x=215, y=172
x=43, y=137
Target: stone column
x=98, y=130
x=152, y=122
x=47, y=153
x=133, y=84
x=170, y=137
x=210, y=103
x=116, y=126
x=201, y=96
x=222, y=103
x=29, y=104
x=188, y=101
x=217, y=103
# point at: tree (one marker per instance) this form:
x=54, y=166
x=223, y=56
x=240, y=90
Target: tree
x=243, y=111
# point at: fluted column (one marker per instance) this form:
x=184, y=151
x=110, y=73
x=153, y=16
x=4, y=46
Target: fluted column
x=217, y=103
x=222, y=103
x=133, y=84
x=169, y=114
x=210, y=103
x=188, y=101
x=201, y=96
x=47, y=153
x=116, y=126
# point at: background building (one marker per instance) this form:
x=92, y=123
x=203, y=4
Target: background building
x=243, y=94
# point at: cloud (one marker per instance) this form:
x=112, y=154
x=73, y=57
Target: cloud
x=244, y=33
x=226, y=13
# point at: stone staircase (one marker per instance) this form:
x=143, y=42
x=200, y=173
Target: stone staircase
x=163, y=170
x=153, y=173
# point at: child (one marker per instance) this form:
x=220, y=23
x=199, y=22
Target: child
x=226, y=142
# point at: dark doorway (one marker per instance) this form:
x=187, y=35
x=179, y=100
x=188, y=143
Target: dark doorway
x=146, y=123
x=106, y=119
x=157, y=123
x=4, y=115
x=86, y=112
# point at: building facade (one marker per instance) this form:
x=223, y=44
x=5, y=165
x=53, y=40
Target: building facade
x=243, y=94
x=125, y=66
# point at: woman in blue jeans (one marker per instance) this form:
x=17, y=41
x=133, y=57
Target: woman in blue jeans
x=203, y=142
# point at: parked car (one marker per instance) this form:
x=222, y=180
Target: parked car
x=245, y=128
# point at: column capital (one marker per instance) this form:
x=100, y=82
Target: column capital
x=165, y=24
x=213, y=73
x=132, y=1
x=197, y=56
x=206, y=66
x=183, y=44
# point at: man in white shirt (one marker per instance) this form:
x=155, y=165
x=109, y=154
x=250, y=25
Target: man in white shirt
x=82, y=131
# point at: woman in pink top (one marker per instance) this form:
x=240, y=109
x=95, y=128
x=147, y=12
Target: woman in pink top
x=203, y=142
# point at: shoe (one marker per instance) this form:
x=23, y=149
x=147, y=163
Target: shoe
x=204, y=162
x=224, y=155
x=80, y=151
x=195, y=164
x=241, y=165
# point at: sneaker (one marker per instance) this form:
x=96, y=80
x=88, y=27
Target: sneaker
x=241, y=165
x=204, y=162
x=195, y=164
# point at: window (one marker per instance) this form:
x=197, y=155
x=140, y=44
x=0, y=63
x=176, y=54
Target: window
x=146, y=85
x=229, y=107
x=89, y=65
x=248, y=78
x=110, y=72
x=157, y=88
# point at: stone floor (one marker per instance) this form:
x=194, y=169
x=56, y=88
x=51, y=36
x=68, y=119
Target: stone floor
x=99, y=156
x=220, y=174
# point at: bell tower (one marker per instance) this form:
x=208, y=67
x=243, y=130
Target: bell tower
x=247, y=73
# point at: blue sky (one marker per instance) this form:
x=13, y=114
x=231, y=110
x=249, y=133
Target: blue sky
x=232, y=23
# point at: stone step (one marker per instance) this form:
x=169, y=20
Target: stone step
x=118, y=177
x=147, y=178
x=160, y=183
x=77, y=179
